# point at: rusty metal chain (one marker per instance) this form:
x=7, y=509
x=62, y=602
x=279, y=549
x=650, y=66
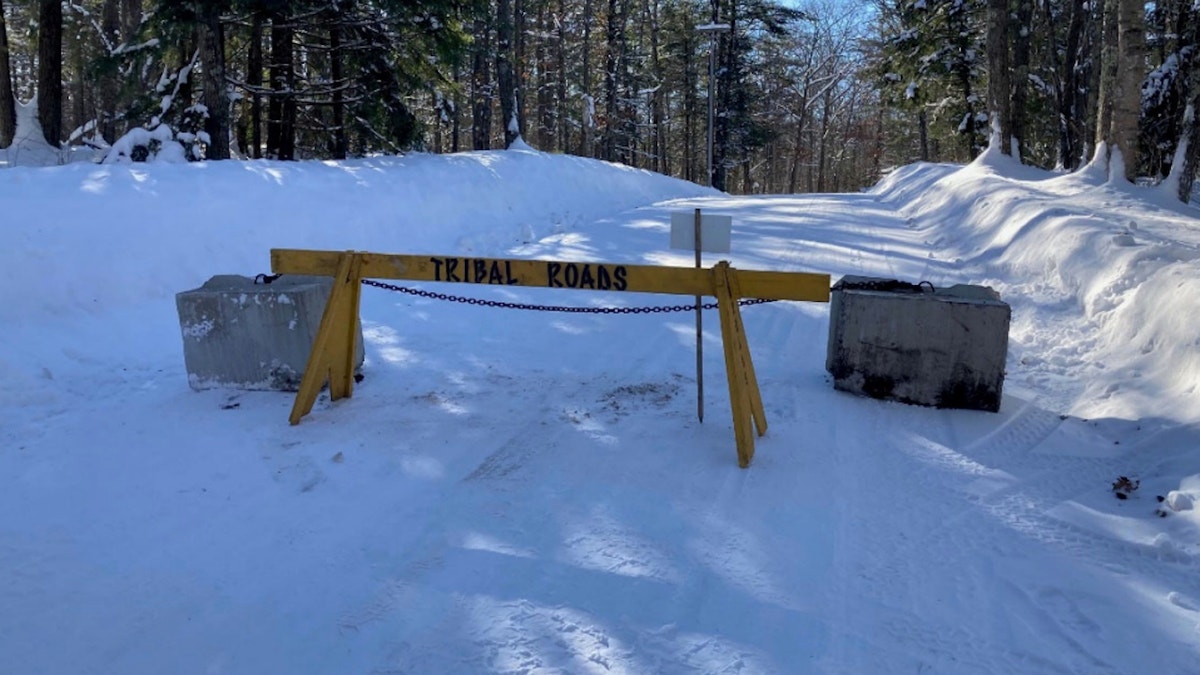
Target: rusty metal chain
x=662, y=309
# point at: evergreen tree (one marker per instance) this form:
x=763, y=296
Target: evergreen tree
x=931, y=62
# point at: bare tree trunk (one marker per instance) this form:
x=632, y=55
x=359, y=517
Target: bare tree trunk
x=545, y=92
x=1188, y=148
x=724, y=91
x=338, y=81
x=519, y=61
x=1020, y=72
x=797, y=155
x=456, y=113
x=1189, y=142
x=505, y=80
x=923, y=133
x=962, y=73
x=1069, y=114
x=8, y=110
x=561, y=91
x=999, y=87
x=877, y=151
x=131, y=19
x=254, y=73
x=50, y=70
x=216, y=92
x=690, y=109
x=79, y=99
x=839, y=178
x=481, y=88
x=614, y=42
x=1131, y=71
x=588, y=118
x=657, y=113
x=108, y=88
x=826, y=104
x=1108, y=73
x=281, y=122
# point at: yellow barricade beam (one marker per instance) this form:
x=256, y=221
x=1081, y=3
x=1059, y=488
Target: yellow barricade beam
x=332, y=357
x=592, y=276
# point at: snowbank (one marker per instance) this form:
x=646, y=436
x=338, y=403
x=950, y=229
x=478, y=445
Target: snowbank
x=75, y=238
x=1127, y=258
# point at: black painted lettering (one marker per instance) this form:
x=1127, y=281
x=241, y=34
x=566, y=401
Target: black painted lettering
x=571, y=275
x=494, y=276
x=619, y=282
x=480, y=271
x=437, y=268
x=508, y=277
x=586, y=280
x=603, y=279
x=451, y=266
x=552, y=270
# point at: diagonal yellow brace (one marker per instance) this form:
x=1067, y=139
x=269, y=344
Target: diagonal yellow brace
x=739, y=397
x=345, y=335
x=332, y=356
x=743, y=349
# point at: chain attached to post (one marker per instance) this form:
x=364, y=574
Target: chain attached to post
x=660, y=309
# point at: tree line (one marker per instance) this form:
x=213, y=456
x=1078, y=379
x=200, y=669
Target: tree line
x=815, y=95
x=1061, y=80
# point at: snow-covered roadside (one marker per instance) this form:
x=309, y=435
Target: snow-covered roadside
x=521, y=492
x=197, y=219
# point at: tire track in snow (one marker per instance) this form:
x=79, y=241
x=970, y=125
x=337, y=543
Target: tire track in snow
x=901, y=583
x=538, y=453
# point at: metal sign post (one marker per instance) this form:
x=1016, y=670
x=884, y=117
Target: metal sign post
x=699, y=333
x=703, y=233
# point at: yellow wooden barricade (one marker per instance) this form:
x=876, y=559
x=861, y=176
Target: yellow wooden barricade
x=332, y=357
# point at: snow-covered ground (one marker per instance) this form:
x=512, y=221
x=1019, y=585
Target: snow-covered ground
x=522, y=492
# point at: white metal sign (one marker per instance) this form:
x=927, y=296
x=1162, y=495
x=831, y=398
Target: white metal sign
x=714, y=231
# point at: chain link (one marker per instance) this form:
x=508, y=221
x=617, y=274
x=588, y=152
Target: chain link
x=661, y=309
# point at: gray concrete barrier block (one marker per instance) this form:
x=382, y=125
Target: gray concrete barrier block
x=897, y=341
x=252, y=336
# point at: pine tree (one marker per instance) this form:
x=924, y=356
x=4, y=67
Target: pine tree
x=931, y=65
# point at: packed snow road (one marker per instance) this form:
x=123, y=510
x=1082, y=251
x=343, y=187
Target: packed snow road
x=528, y=492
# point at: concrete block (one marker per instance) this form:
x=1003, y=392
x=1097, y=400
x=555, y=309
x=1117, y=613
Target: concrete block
x=903, y=342
x=252, y=336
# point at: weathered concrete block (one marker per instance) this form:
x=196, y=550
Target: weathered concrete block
x=252, y=336
x=893, y=340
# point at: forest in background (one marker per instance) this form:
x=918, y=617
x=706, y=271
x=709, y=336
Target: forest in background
x=810, y=95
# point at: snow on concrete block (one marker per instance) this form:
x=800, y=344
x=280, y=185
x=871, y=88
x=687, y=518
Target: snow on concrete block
x=244, y=335
x=915, y=344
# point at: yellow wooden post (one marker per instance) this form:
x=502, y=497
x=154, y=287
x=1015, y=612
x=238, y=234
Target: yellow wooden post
x=739, y=397
x=332, y=356
x=743, y=348
x=341, y=348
